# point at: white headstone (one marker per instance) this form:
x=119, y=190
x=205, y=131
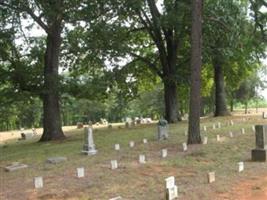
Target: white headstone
x=240, y=166
x=253, y=128
x=264, y=115
x=131, y=144
x=205, y=140
x=89, y=146
x=114, y=164
x=211, y=177
x=38, y=182
x=205, y=128
x=231, y=134
x=80, y=172
x=242, y=130
x=184, y=146
x=117, y=147
x=142, y=159
x=170, y=182
x=145, y=141
x=218, y=138
x=164, y=153
x=219, y=125
x=171, y=188
x=213, y=126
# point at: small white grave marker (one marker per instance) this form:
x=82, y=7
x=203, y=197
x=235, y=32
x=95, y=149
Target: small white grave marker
x=219, y=125
x=80, y=172
x=213, y=126
x=240, y=166
x=205, y=128
x=242, y=130
x=171, y=188
x=218, y=138
x=164, y=153
x=145, y=141
x=231, y=134
x=38, y=182
x=142, y=159
x=184, y=146
x=114, y=164
x=117, y=147
x=131, y=144
x=253, y=128
x=205, y=140
x=211, y=177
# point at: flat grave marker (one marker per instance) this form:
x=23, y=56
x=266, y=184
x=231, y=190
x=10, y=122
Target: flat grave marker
x=164, y=153
x=114, y=164
x=38, y=182
x=80, y=172
x=211, y=177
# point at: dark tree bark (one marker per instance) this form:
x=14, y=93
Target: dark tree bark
x=195, y=98
x=220, y=95
x=52, y=119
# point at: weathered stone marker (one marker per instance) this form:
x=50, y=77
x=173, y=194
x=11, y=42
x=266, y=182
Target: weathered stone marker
x=162, y=130
x=131, y=144
x=145, y=141
x=38, y=182
x=142, y=159
x=171, y=188
x=204, y=128
x=242, y=131
x=211, y=177
x=89, y=146
x=231, y=134
x=184, y=146
x=56, y=160
x=205, y=140
x=218, y=138
x=117, y=147
x=260, y=152
x=116, y=198
x=214, y=126
x=80, y=172
x=253, y=128
x=164, y=153
x=219, y=125
x=15, y=166
x=114, y=164
x=240, y=166
x=264, y=115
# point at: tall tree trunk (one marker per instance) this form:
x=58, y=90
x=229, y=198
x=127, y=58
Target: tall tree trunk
x=170, y=99
x=232, y=105
x=220, y=95
x=52, y=119
x=196, y=45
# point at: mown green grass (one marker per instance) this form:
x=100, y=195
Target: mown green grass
x=132, y=180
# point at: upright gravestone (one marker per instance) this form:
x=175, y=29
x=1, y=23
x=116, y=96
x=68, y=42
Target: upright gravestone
x=260, y=152
x=171, y=188
x=38, y=182
x=80, y=172
x=162, y=130
x=89, y=146
x=205, y=140
x=264, y=115
x=164, y=153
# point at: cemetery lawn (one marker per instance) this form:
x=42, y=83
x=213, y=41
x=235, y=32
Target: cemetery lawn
x=133, y=180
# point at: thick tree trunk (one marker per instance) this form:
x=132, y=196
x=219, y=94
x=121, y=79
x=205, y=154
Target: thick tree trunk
x=232, y=105
x=170, y=98
x=220, y=95
x=52, y=119
x=195, y=98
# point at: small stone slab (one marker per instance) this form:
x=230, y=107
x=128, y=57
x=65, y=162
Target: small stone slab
x=56, y=160
x=171, y=188
x=264, y=115
x=205, y=140
x=15, y=166
x=214, y=126
x=114, y=164
x=240, y=166
x=142, y=159
x=219, y=125
x=145, y=141
x=184, y=146
x=170, y=182
x=211, y=177
x=116, y=198
x=253, y=128
x=38, y=182
x=131, y=144
x=242, y=131
x=117, y=147
x=164, y=153
x=231, y=134
x=80, y=172
x=218, y=138
x=205, y=128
